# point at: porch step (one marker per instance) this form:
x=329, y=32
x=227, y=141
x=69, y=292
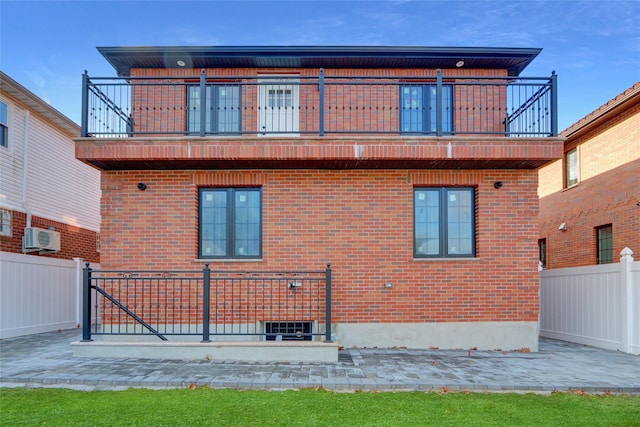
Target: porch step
x=255, y=351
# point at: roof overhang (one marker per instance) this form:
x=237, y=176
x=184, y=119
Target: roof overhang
x=123, y=59
x=35, y=104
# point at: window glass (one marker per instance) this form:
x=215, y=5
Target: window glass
x=572, y=167
x=222, y=106
x=542, y=252
x=3, y=125
x=230, y=223
x=444, y=222
x=604, y=244
x=418, y=112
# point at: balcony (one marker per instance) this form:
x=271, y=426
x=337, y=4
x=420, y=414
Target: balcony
x=337, y=121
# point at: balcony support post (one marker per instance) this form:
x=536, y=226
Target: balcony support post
x=554, y=104
x=203, y=102
x=84, y=119
x=439, y=102
x=321, y=102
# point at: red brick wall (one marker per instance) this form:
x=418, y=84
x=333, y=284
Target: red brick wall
x=75, y=242
x=162, y=107
x=608, y=192
x=360, y=221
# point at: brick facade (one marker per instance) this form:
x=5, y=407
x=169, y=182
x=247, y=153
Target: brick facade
x=75, y=242
x=360, y=221
x=608, y=190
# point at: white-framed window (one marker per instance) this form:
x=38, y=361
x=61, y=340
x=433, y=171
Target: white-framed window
x=5, y=223
x=571, y=167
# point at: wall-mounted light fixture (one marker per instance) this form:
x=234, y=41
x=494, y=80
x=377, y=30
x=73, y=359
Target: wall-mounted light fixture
x=563, y=227
x=142, y=186
x=497, y=185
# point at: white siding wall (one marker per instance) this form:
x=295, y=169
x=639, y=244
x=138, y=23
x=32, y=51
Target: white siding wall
x=39, y=294
x=11, y=159
x=59, y=187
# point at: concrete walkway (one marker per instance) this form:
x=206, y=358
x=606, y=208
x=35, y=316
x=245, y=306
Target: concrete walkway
x=45, y=360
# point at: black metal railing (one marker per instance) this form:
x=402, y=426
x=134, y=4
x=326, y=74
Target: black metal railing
x=205, y=303
x=206, y=105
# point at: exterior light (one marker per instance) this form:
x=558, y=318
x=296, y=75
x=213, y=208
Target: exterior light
x=142, y=186
x=563, y=227
x=181, y=63
x=460, y=63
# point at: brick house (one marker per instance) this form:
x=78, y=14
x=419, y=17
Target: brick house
x=590, y=199
x=411, y=170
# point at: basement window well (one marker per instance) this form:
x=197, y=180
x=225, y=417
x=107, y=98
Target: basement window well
x=288, y=331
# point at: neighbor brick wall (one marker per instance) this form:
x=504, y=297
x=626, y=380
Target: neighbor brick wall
x=608, y=192
x=360, y=221
x=75, y=242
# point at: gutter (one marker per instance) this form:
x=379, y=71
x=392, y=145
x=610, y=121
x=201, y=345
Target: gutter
x=25, y=166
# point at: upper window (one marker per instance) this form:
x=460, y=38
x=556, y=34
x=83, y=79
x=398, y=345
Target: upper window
x=4, y=126
x=5, y=222
x=604, y=244
x=571, y=167
x=230, y=223
x=222, y=109
x=418, y=112
x=444, y=222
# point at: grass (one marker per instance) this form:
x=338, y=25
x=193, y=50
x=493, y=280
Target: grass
x=204, y=406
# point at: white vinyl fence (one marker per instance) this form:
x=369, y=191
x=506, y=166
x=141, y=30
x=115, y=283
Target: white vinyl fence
x=39, y=294
x=595, y=305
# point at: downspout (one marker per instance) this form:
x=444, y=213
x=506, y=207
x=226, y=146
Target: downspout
x=25, y=165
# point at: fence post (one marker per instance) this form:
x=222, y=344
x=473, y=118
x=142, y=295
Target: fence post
x=327, y=328
x=84, y=118
x=554, y=104
x=629, y=315
x=203, y=102
x=321, y=102
x=86, y=303
x=439, y=102
x=206, y=282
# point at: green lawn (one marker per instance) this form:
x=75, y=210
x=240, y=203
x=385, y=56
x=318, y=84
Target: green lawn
x=203, y=406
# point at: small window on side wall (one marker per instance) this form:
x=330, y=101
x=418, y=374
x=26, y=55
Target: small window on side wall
x=5, y=223
x=604, y=244
x=4, y=125
x=571, y=168
x=542, y=252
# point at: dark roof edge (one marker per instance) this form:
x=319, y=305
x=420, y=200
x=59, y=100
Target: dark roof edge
x=111, y=54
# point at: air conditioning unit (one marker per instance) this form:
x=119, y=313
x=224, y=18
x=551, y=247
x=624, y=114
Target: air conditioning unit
x=39, y=239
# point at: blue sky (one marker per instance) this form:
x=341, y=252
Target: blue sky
x=594, y=46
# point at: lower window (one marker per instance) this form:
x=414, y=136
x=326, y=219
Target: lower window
x=444, y=222
x=604, y=243
x=230, y=223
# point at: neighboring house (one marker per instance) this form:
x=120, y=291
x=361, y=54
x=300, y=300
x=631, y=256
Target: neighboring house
x=590, y=199
x=412, y=170
x=53, y=199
